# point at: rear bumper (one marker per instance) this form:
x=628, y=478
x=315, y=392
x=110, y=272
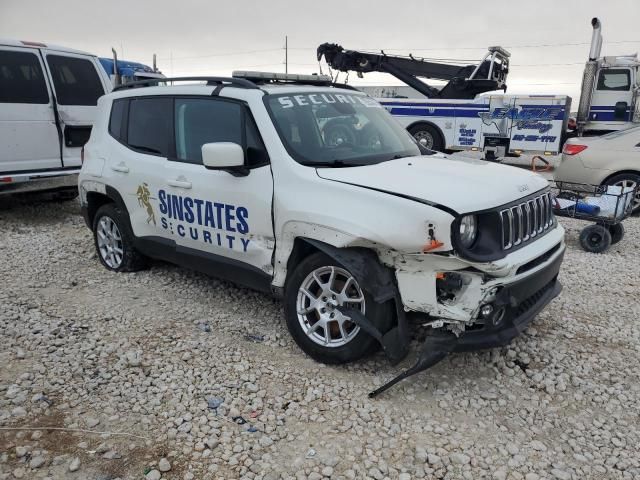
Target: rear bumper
x=522, y=302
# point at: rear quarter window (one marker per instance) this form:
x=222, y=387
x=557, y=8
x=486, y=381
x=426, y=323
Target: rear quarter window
x=117, y=120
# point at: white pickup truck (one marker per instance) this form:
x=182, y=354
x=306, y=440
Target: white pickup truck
x=48, y=99
x=241, y=178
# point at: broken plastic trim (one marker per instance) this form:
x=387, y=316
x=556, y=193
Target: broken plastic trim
x=438, y=346
x=433, y=351
x=391, y=342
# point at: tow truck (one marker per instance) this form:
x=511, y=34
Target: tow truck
x=610, y=90
x=455, y=117
x=126, y=71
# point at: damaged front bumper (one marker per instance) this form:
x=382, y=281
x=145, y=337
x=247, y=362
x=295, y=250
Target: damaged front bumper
x=522, y=300
x=521, y=286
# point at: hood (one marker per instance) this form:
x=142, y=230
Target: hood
x=459, y=183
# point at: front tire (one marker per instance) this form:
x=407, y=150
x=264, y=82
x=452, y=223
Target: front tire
x=114, y=241
x=316, y=287
x=595, y=239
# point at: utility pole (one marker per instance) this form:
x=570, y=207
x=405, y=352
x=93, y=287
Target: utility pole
x=286, y=54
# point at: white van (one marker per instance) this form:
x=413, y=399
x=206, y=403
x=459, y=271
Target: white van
x=48, y=98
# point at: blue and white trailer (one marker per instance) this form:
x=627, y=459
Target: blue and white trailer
x=502, y=124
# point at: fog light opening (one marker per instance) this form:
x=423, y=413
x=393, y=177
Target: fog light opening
x=486, y=311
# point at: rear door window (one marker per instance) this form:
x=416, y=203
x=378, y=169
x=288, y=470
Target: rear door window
x=75, y=80
x=150, y=125
x=21, y=78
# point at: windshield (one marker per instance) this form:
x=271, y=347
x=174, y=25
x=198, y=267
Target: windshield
x=338, y=129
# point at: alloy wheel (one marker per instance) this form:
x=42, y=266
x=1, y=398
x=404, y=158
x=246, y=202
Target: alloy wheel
x=319, y=295
x=110, y=242
x=628, y=183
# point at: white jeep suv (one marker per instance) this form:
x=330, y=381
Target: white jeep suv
x=292, y=185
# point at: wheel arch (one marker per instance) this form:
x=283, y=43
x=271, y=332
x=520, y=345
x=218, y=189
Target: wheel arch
x=302, y=248
x=363, y=262
x=621, y=172
x=96, y=199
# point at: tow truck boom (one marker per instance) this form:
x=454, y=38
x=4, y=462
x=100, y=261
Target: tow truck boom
x=464, y=82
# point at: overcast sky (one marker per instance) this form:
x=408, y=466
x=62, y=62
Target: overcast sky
x=548, y=39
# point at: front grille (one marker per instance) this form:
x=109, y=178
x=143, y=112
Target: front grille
x=525, y=221
x=537, y=261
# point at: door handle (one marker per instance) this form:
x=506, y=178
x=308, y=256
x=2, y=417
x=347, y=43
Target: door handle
x=121, y=167
x=179, y=183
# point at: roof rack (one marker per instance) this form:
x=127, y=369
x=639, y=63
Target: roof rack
x=233, y=82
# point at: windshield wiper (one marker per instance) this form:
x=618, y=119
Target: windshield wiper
x=333, y=163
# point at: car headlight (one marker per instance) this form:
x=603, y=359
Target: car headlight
x=468, y=230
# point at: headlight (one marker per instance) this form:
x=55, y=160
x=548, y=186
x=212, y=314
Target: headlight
x=468, y=230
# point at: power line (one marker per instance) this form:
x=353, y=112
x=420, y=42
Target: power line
x=226, y=54
x=479, y=48
x=546, y=64
x=549, y=83
x=541, y=45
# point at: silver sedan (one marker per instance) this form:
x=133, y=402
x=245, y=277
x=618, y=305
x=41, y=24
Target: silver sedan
x=612, y=159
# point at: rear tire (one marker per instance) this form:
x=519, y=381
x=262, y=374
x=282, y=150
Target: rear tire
x=428, y=136
x=617, y=233
x=628, y=180
x=326, y=338
x=337, y=133
x=113, y=239
x=595, y=239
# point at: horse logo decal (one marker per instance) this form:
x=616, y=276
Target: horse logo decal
x=144, y=195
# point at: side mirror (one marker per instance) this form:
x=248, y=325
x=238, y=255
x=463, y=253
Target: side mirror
x=221, y=155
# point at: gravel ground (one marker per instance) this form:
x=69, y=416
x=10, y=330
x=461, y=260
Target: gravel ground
x=141, y=375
